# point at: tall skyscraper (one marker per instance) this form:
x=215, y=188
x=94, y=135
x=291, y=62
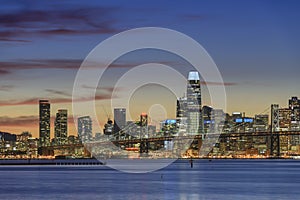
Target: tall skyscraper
x=61, y=127
x=44, y=123
x=119, y=119
x=194, y=111
x=85, y=129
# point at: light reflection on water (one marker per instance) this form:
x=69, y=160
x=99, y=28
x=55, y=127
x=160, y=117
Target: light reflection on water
x=216, y=179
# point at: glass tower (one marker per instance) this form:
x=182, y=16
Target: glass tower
x=194, y=113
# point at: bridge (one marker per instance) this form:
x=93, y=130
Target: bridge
x=138, y=133
x=273, y=140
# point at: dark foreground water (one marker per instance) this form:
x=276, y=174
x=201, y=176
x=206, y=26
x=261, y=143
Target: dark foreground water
x=216, y=179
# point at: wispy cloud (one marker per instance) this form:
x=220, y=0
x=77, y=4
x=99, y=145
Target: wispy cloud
x=58, y=92
x=6, y=88
x=14, y=40
x=3, y=71
x=19, y=25
x=219, y=83
x=7, y=67
x=19, y=121
x=103, y=89
x=34, y=101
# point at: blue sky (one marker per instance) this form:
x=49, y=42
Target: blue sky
x=255, y=45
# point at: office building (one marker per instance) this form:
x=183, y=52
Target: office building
x=207, y=121
x=44, y=123
x=85, y=129
x=285, y=116
x=261, y=123
x=294, y=106
x=61, y=127
x=181, y=116
x=218, y=120
x=119, y=119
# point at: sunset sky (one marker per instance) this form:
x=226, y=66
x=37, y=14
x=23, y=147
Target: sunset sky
x=255, y=45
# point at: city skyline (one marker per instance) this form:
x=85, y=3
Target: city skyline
x=41, y=58
x=258, y=137
x=60, y=123
x=61, y=118
x=147, y=100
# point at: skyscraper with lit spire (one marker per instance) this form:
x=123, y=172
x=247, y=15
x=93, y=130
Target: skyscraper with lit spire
x=194, y=104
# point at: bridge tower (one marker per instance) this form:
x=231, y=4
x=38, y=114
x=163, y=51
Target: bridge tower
x=275, y=139
x=144, y=145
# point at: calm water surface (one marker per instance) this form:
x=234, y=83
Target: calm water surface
x=216, y=179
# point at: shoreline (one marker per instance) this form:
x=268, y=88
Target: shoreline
x=93, y=161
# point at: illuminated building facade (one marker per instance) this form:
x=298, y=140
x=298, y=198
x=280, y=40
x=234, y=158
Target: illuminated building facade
x=85, y=129
x=285, y=116
x=294, y=105
x=194, y=114
x=61, y=127
x=181, y=116
x=44, y=123
x=207, y=121
x=217, y=119
x=261, y=123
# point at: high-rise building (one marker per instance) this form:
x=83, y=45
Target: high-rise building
x=168, y=127
x=181, y=116
x=194, y=113
x=294, y=102
x=207, y=120
x=181, y=107
x=236, y=117
x=217, y=118
x=119, y=119
x=285, y=119
x=294, y=106
x=61, y=127
x=44, y=123
x=85, y=129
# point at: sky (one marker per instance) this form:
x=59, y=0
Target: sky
x=255, y=45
